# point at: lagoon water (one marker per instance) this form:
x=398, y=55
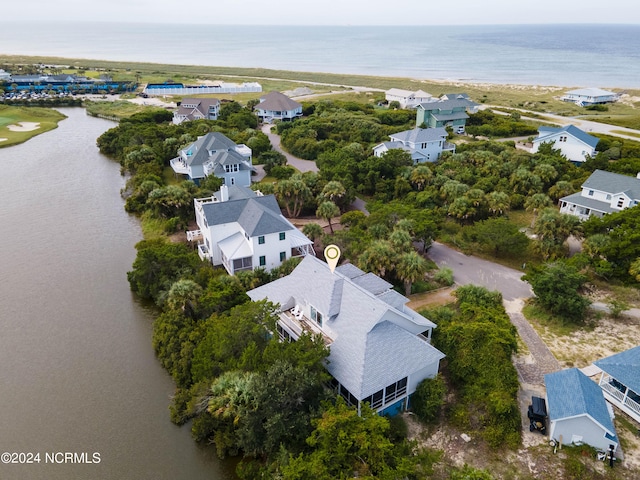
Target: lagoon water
x=605, y=56
x=77, y=369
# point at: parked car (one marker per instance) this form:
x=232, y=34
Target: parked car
x=537, y=414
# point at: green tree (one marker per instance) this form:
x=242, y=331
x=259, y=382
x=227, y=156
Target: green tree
x=536, y=202
x=293, y=192
x=499, y=236
x=327, y=210
x=378, y=258
x=158, y=265
x=345, y=445
x=498, y=202
x=553, y=229
x=556, y=286
x=411, y=268
x=428, y=399
x=183, y=295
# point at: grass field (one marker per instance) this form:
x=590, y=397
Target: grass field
x=46, y=118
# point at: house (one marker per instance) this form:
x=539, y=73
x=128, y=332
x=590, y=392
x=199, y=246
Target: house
x=277, y=106
x=589, y=96
x=380, y=350
x=620, y=381
x=196, y=109
x=450, y=110
x=603, y=192
x=243, y=230
x=578, y=412
x=407, y=98
x=215, y=154
x=4, y=76
x=424, y=144
x=574, y=144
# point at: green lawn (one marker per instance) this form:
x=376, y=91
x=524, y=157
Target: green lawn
x=46, y=118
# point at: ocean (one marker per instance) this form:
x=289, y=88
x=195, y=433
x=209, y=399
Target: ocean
x=606, y=56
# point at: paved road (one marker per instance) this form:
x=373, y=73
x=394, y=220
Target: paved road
x=586, y=125
x=468, y=269
x=299, y=163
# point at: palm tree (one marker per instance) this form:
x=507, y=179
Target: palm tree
x=183, y=295
x=327, y=210
x=536, y=202
x=379, y=258
x=498, y=202
x=333, y=191
x=293, y=192
x=411, y=268
x=400, y=239
x=314, y=232
x=420, y=176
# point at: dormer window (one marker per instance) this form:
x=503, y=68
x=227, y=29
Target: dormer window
x=231, y=168
x=316, y=316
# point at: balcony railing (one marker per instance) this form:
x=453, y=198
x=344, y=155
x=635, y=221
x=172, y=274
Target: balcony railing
x=203, y=252
x=620, y=396
x=179, y=166
x=301, y=324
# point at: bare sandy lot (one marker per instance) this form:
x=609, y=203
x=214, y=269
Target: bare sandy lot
x=24, y=127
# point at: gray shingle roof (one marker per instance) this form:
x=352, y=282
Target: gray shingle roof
x=613, y=183
x=420, y=135
x=211, y=142
x=584, y=137
x=277, y=101
x=571, y=393
x=362, y=350
x=624, y=367
x=202, y=106
x=257, y=215
x=592, y=203
x=590, y=92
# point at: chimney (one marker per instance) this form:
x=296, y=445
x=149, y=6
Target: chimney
x=224, y=193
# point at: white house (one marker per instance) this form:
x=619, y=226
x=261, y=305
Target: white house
x=196, y=109
x=574, y=144
x=407, y=98
x=620, y=381
x=277, y=106
x=603, y=192
x=578, y=412
x=589, y=96
x=243, y=230
x=424, y=144
x=380, y=349
x=4, y=76
x=215, y=154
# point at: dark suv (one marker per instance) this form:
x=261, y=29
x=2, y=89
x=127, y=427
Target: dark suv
x=537, y=414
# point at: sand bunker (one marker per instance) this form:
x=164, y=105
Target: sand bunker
x=24, y=127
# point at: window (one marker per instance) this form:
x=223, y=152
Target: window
x=231, y=168
x=283, y=256
x=563, y=139
x=620, y=202
x=263, y=260
x=316, y=316
x=591, y=193
x=261, y=240
x=375, y=400
x=233, y=181
x=283, y=235
x=395, y=390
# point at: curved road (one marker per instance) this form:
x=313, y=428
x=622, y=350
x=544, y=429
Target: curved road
x=299, y=163
x=468, y=269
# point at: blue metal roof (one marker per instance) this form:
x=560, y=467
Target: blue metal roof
x=571, y=130
x=624, y=367
x=570, y=393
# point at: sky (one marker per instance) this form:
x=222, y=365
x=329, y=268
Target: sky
x=328, y=12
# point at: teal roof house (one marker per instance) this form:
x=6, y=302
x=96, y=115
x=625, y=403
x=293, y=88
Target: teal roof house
x=240, y=229
x=448, y=111
x=620, y=381
x=215, y=154
x=602, y=193
x=380, y=349
x=578, y=412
